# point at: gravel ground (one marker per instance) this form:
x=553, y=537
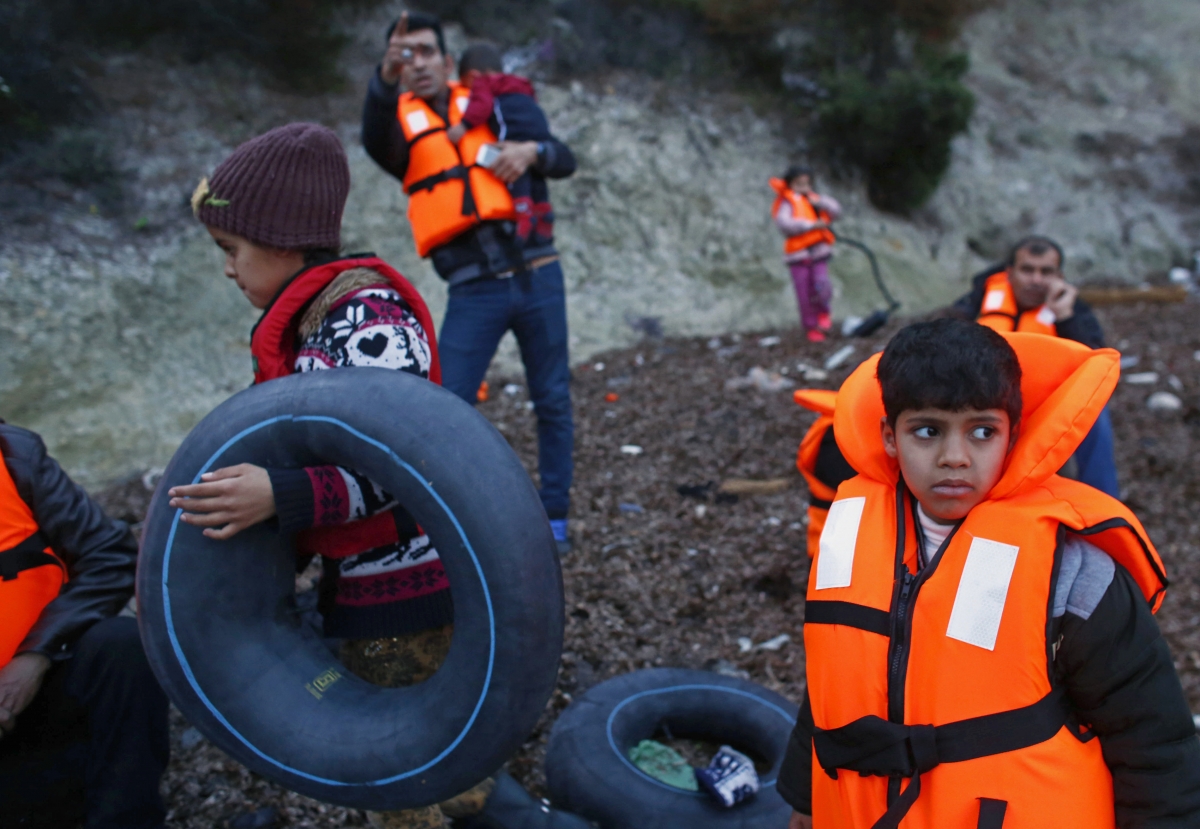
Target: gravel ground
x=659, y=578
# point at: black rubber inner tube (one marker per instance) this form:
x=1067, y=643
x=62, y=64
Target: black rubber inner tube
x=588, y=769
x=224, y=636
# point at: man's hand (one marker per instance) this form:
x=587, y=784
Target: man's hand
x=1060, y=298
x=393, y=58
x=515, y=158
x=20, y=680
x=800, y=821
x=226, y=501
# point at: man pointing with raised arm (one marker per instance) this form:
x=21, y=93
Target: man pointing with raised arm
x=463, y=220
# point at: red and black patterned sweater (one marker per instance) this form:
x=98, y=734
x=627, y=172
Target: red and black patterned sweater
x=400, y=587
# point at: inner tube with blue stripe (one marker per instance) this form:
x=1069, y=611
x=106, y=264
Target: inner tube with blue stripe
x=225, y=638
x=588, y=769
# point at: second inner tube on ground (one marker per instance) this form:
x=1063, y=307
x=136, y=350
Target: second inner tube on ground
x=223, y=635
x=588, y=769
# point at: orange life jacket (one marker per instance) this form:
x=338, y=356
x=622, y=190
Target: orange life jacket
x=999, y=310
x=273, y=346
x=31, y=575
x=820, y=493
x=802, y=208
x=932, y=689
x=448, y=193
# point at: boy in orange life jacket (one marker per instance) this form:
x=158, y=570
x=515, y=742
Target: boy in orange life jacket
x=803, y=217
x=981, y=649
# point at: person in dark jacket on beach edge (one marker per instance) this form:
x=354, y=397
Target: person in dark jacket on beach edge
x=79, y=706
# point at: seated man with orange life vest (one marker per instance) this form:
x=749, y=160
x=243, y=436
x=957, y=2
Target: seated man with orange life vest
x=1028, y=294
x=465, y=221
x=981, y=650
x=80, y=710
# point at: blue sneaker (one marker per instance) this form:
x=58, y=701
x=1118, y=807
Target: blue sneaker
x=559, y=527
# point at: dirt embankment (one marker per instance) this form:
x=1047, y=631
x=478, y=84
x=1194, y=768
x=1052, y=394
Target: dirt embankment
x=659, y=578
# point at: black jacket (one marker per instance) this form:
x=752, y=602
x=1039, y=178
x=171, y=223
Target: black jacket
x=1082, y=326
x=1121, y=680
x=100, y=552
x=486, y=250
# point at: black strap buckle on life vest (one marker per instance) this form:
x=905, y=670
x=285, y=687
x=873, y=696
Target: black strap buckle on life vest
x=458, y=172
x=873, y=746
x=848, y=614
x=27, y=555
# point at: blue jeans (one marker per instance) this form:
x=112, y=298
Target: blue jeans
x=534, y=307
x=1097, y=466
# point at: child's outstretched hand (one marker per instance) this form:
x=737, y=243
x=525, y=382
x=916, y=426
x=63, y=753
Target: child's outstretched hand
x=456, y=132
x=226, y=501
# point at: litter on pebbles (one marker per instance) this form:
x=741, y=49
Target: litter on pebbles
x=1164, y=401
x=761, y=379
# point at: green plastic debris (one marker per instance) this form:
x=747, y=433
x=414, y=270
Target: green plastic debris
x=664, y=764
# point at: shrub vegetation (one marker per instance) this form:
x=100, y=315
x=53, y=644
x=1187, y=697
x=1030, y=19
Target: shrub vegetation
x=880, y=76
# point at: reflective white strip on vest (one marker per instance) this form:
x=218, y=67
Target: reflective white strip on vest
x=417, y=121
x=1046, y=317
x=835, y=560
x=463, y=102
x=982, y=591
x=994, y=300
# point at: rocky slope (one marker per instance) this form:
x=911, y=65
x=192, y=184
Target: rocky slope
x=117, y=331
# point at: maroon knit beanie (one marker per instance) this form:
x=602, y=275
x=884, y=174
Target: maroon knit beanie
x=284, y=189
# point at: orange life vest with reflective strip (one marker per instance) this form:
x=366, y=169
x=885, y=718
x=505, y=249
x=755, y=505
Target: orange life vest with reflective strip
x=802, y=208
x=448, y=193
x=932, y=689
x=31, y=575
x=999, y=310
x=820, y=493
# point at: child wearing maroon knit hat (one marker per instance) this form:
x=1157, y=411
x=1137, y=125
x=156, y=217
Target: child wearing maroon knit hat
x=274, y=207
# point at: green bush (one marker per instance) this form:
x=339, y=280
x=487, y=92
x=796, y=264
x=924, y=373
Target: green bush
x=897, y=131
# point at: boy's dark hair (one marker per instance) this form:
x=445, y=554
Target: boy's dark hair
x=949, y=364
x=799, y=170
x=481, y=57
x=1037, y=245
x=418, y=21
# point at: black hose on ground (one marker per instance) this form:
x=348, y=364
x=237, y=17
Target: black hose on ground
x=893, y=304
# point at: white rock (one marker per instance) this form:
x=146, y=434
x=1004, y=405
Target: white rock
x=599, y=367
x=1175, y=383
x=1179, y=276
x=1142, y=378
x=631, y=449
x=511, y=389
x=839, y=357
x=1164, y=401
x=1130, y=361
x=767, y=342
x=776, y=643
x=761, y=379
x=849, y=324
x=745, y=645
